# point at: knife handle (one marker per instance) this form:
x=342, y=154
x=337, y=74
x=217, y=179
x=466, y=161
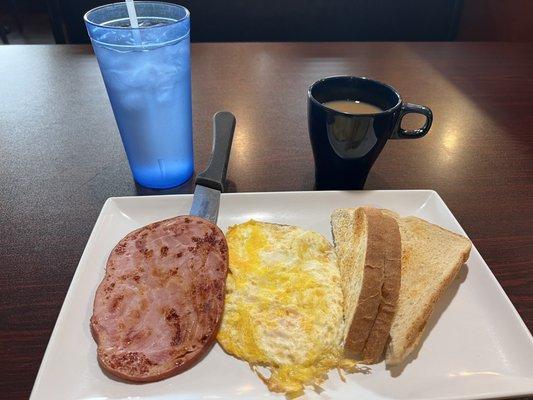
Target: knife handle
x=214, y=176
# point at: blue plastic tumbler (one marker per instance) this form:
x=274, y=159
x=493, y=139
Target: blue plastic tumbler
x=147, y=74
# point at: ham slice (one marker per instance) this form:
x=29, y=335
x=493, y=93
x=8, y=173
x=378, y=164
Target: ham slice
x=158, y=308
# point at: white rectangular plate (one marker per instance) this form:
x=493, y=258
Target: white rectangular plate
x=476, y=346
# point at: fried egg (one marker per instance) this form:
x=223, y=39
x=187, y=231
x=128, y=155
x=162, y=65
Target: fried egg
x=283, y=305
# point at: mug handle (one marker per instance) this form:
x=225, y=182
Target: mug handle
x=416, y=133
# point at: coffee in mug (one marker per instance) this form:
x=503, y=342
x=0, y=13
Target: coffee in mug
x=350, y=120
x=353, y=107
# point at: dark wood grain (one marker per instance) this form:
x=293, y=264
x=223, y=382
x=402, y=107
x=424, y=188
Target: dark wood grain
x=61, y=155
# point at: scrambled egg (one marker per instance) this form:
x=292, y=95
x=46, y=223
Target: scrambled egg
x=284, y=305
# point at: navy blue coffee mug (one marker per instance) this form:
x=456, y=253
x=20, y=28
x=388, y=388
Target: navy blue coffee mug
x=345, y=145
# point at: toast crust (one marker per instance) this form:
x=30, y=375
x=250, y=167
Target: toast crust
x=373, y=275
x=368, y=327
x=389, y=251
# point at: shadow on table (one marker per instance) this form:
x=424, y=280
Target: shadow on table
x=376, y=181
x=186, y=188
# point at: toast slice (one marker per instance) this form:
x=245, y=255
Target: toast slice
x=431, y=258
x=368, y=248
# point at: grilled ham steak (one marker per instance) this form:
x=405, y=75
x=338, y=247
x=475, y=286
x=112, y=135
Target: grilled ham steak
x=160, y=303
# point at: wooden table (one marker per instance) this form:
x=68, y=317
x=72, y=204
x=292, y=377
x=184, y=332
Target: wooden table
x=61, y=155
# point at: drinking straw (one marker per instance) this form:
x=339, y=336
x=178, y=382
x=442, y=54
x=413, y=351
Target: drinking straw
x=134, y=22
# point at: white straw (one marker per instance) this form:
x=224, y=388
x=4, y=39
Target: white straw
x=132, y=14
x=134, y=23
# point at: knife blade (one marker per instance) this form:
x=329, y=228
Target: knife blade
x=211, y=182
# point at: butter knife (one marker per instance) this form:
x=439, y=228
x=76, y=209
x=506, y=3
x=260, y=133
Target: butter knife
x=211, y=182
